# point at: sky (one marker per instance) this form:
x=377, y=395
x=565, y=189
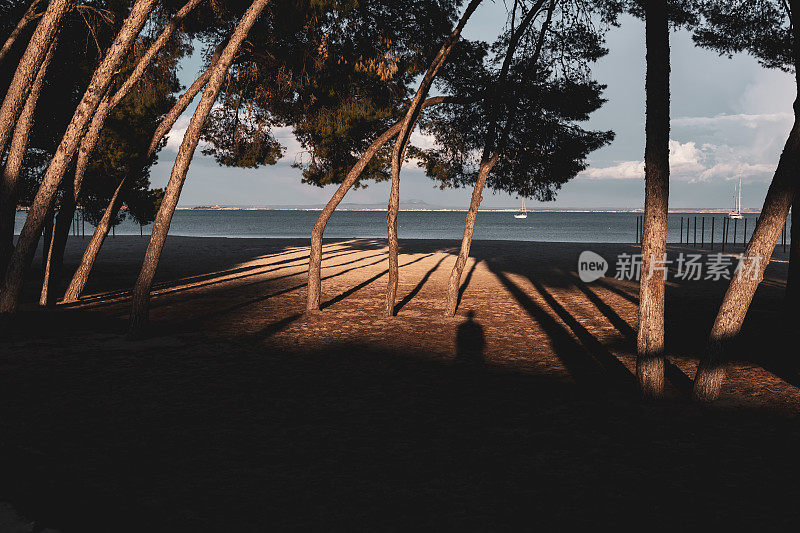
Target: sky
x=730, y=119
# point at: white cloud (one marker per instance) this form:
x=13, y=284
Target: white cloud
x=623, y=170
x=738, y=120
x=717, y=148
x=684, y=159
x=175, y=135
x=294, y=151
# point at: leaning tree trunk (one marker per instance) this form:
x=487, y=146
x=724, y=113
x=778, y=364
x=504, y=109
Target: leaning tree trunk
x=315, y=254
x=183, y=102
x=27, y=18
x=742, y=288
x=81, y=276
x=16, y=155
x=466, y=241
x=101, y=79
x=109, y=103
x=90, y=254
x=141, y=290
x=47, y=237
x=87, y=146
x=28, y=67
x=650, y=337
x=55, y=257
x=782, y=191
x=398, y=153
x=493, y=147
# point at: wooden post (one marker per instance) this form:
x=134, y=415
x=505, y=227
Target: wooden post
x=83, y=223
x=695, y=231
x=702, y=232
x=744, y=233
x=735, y=224
x=637, y=229
x=712, y=232
x=784, y=235
x=680, y=239
x=724, y=232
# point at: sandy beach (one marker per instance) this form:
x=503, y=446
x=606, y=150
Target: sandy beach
x=525, y=412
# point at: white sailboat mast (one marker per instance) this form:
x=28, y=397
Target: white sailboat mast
x=739, y=203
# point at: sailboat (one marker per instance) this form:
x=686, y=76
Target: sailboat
x=522, y=213
x=737, y=200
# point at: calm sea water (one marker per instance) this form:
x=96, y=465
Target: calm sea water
x=539, y=226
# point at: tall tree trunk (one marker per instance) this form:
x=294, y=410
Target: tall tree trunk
x=398, y=153
x=28, y=67
x=782, y=191
x=16, y=155
x=494, y=146
x=27, y=18
x=315, y=254
x=650, y=338
x=101, y=79
x=141, y=290
x=81, y=276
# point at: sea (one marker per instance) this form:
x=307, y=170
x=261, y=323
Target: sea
x=548, y=226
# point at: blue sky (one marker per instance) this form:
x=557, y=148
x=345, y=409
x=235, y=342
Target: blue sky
x=730, y=118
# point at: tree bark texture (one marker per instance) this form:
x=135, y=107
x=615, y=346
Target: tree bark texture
x=9, y=186
x=65, y=153
x=781, y=193
x=492, y=150
x=87, y=146
x=650, y=335
x=141, y=290
x=730, y=317
x=28, y=17
x=108, y=104
x=398, y=153
x=28, y=67
x=81, y=276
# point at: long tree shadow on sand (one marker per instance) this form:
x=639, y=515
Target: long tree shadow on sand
x=675, y=375
x=281, y=324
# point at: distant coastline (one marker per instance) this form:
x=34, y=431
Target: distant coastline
x=432, y=208
x=214, y=208
x=371, y=208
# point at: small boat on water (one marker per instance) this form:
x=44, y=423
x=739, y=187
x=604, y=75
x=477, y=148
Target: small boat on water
x=736, y=213
x=522, y=213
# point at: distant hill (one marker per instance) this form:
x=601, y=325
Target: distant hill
x=421, y=205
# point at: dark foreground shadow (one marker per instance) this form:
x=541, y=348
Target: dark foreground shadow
x=223, y=436
x=196, y=433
